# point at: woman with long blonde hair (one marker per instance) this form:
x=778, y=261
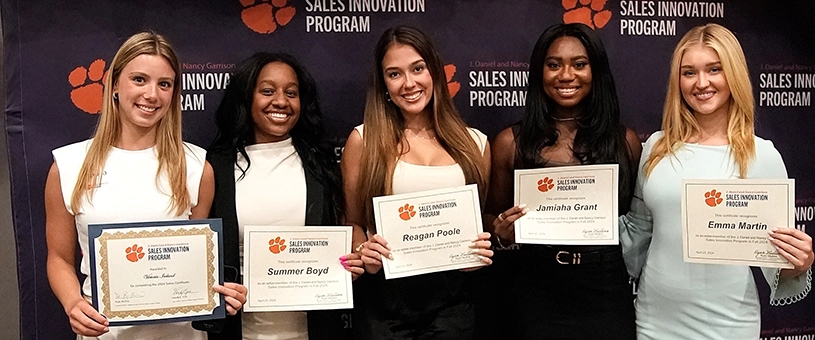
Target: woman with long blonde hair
x=707, y=132
x=136, y=168
x=413, y=140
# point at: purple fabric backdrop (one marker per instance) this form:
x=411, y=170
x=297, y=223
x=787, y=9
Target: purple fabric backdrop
x=52, y=70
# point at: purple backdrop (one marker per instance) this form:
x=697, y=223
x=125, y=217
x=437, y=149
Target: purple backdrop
x=52, y=48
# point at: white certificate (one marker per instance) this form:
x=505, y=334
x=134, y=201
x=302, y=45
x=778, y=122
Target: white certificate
x=429, y=231
x=568, y=205
x=296, y=268
x=726, y=221
x=156, y=271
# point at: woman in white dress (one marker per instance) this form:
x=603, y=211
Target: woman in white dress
x=147, y=173
x=707, y=132
x=413, y=140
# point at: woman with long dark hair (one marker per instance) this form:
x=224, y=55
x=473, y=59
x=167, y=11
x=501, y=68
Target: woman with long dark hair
x=274, y=166
x=413, y=140
x=572, y=118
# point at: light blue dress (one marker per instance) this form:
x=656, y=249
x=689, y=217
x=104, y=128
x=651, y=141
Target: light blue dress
x=679, y=300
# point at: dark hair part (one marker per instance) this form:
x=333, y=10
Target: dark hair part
x=236, y=129
x=600, y=138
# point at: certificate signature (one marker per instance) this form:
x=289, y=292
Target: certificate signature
x=463, y=257
x=328, y=297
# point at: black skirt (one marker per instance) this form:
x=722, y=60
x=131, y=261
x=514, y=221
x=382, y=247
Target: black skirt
x=429, y=306
x=543, y=292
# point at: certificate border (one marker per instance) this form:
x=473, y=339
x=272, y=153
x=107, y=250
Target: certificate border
x=349, y=291
x=615, y=232
x=95, y=231
x=472, y=189
x=790, y=191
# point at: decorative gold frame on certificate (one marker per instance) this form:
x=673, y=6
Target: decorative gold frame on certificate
x=118, y=235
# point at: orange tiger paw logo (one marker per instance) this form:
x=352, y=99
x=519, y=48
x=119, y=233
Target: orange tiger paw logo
x=406, y=212
x=88, y=97
x=276, y=245
x=134, y=253
x=713, y=198
x=545, y=184
x=591, y=12
x=265, y=16
x=452, y=86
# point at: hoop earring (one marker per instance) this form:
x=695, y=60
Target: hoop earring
x=116, y=96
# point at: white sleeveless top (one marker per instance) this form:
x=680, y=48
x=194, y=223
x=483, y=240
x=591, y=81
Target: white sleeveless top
x=409, y=177
x=272, y=192
x=128, y=192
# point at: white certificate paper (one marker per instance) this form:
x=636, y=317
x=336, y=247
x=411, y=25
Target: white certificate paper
x=296, y=268
x=429, y=231
x=726, y=221
x=568, y=205
x=156, y=271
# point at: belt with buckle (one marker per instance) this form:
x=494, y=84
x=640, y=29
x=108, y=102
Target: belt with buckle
x=575, y=257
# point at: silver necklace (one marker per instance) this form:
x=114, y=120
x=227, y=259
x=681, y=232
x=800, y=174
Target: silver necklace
x=416, y=135
x=567, y=119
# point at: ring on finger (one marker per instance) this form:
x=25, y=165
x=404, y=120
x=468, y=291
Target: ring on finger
x=501, y=217
x=359, y=247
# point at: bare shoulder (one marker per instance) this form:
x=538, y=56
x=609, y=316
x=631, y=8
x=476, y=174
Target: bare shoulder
x=634, y=143
x=504, y=141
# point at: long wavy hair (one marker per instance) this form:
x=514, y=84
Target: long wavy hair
x=169, y=145
x=600, y=138
x=384, y=124
x=236, y=128
x=678, y=121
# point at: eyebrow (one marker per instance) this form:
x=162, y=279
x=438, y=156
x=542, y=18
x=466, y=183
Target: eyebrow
x=411, y=64
x=572, y=58
x=294, y=83
x=143, y=74
x=707, y=65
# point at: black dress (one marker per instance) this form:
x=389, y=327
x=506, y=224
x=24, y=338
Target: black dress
x=539, y=292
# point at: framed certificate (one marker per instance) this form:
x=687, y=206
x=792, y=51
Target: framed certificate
x=296, y=268
x=429, y=231
x=727, y=221
x=568, y=205
x=159, y=271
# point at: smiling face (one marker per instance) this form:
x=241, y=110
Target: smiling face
x=145, y=90
x=407, y=79
x=703, y=82
x=275, y=103
x=567, y=72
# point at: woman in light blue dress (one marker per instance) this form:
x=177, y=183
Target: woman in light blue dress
x=707, y=132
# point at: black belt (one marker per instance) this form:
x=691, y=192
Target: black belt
x=573, y=256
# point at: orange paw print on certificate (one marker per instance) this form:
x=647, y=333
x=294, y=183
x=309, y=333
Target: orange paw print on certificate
x=545, y=184
x=265, y=16
x=406, y=212
x=134, y=253
x=713, y=198
x=87, y=96
x=589, y=12
x=276, y=245
x=452, y=86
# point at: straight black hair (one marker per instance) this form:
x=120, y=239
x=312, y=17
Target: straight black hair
x=600, y=138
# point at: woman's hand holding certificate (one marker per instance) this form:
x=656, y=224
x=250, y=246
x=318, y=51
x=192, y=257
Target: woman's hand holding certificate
x=731, y=222
x=428, y=231
x=568, y=205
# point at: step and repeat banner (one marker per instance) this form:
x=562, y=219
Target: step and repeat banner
x=56, y=53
